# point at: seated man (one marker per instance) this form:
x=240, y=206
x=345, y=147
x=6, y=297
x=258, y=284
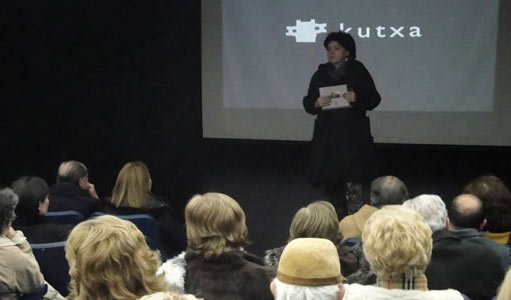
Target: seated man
x=73, y=191
x=463, y=258
x=309, y=269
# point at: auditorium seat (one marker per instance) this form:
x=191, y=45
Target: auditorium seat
x=70, y=217
x=53, y=264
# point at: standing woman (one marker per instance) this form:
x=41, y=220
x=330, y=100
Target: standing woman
x=342, y=144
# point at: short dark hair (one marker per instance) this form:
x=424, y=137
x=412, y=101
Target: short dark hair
x=71, y=171
x=496, y=200
x=31, y=192
x=345, y=40
x=466, y=219
x=388, y=190
x=8, y=202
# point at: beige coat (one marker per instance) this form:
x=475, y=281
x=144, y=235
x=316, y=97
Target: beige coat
x=19, y=270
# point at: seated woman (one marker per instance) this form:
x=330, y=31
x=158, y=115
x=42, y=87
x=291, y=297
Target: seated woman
x=132, y=195
x=317, y=220
x=109, y=259
x=397, y=244
x=215, y=267
x=19, y=271
x=32, y=207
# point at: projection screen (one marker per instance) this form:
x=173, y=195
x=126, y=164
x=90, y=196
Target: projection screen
x=441, y=67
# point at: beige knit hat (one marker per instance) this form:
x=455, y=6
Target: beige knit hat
x=310, y=262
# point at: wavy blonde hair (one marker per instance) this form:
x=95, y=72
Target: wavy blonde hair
x=504, y=291
x=215, y=223
x=318, y=220
x=109, y=259
x=397, y=241
x=132, y=186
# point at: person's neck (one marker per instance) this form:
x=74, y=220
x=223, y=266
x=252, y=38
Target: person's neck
x=417, y=282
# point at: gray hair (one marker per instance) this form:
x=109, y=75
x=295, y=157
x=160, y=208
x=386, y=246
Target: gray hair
x=8, y=202
x=284, y=291
x=71, y=171
x=432, y=208
x=388, y=190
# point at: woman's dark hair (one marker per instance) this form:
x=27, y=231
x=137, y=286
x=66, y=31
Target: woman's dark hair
x=496, y=200
x=345, y=40
x=31, y=192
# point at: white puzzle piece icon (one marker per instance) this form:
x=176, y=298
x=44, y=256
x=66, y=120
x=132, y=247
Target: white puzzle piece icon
x=305, y=32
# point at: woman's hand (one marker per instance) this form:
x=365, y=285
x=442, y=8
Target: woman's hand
x=350, y=96
x=323, y=101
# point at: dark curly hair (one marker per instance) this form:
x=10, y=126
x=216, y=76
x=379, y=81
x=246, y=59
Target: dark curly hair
x=31, y=192
x=345, y=40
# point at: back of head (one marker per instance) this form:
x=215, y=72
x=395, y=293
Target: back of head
x=31, y=192
x=109, y=259
x=466, y=211
x=430, y=207
x=8, y=202
x=309, y=268
x=318, y=220
x=132, y=186
x=215, y=223
x=71, y=171
x=496, y=200
x=168, y=296
x=397, y=242
x=388, y=190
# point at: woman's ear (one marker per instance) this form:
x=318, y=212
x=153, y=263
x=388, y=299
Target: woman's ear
x=273, y=289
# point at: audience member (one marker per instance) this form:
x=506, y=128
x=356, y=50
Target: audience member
x=109, y=259
x=386, y=190
x=32, y=207
x=462, y=252
x=496, y=200
x=319, y=220
x=19, y=271
x=397, y=244
x=505, y=288
x=73, y=191
x=431, y=208
x=309, y=269
x=215, y=266
x=132, y=195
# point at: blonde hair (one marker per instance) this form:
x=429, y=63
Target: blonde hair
x=215, y=223
x=168, y=296
x=109, y=259
x=504, y=291
x=317, y=219
x=397, y=241
x=132, y=186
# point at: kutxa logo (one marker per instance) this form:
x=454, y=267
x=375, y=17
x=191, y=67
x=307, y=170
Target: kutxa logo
x=307, y=31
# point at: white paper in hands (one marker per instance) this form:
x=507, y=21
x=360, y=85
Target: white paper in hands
x=336, y=92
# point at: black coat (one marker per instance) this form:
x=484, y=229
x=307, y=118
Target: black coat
x=69, y=196
x=234, y=275
x=468, y=262
x=342, y=144
x=39, y=230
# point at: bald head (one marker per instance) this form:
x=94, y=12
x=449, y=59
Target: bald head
x=387, y=190
x=71, y=171
x=466, y=212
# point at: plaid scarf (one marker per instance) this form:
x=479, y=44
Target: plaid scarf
x=419, y=282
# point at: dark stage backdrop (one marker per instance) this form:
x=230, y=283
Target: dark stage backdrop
x=103, y=82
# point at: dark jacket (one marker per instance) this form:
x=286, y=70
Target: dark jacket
x=467, y=261
x=172, y=230
x=39, y=230
x=69, y=196
x=342, y=144
x=234, y=275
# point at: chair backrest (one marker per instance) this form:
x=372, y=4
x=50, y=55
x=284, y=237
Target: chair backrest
x=53, y=264
x=146, y=224
x=37, y=295
x=71, y=217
